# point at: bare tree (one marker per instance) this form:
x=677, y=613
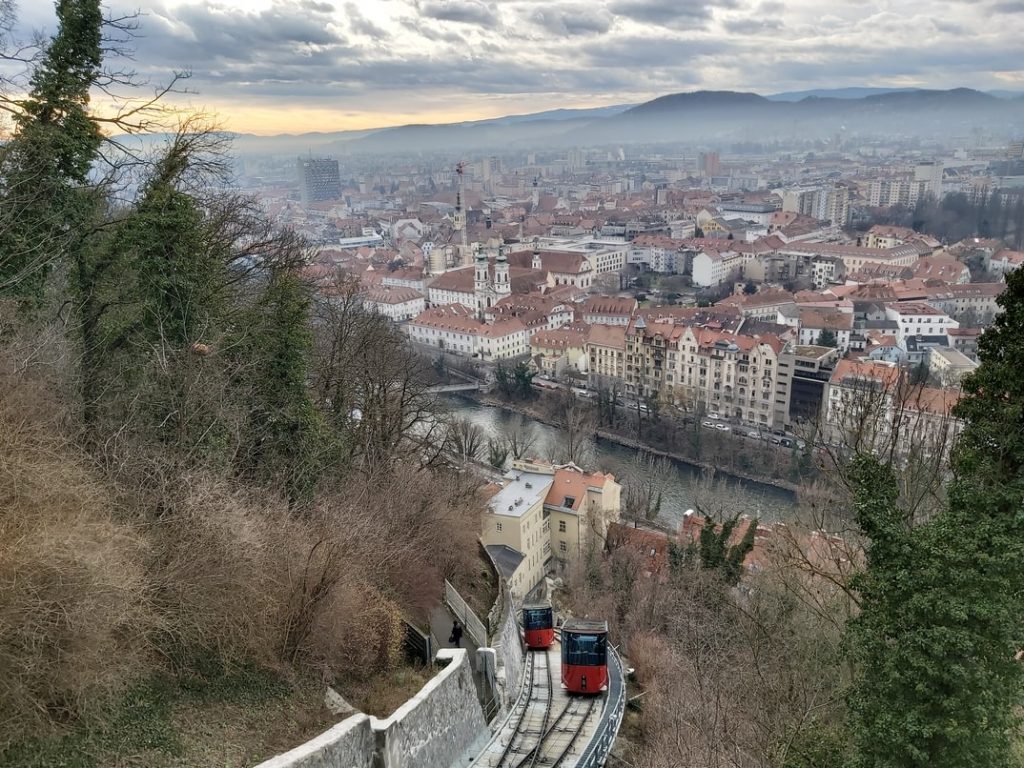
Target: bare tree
x=905, y=424
x=577, y=423
x=370, y=382
x=520, y=436
x=497, y=453
x=644, y=485
x=465, y=439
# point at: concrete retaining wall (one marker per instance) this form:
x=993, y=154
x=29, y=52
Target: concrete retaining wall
x=436, y=726
x=508, y=646
x=349, y=744
x=434, y=729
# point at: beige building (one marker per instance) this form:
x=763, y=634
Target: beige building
x=949, y=366
x=733, y=375
x=606, y=354
x=545, y=516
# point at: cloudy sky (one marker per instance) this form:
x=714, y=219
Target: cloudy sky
x=269, y=66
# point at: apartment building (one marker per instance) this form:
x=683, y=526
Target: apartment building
x=608, y=310
x=544, y=516
x=319, y=179
x=556, y=352
x=737, y=376
x=606, y=354
x=972, y=303
x=763, y=305
x=648, y=368
x=814, y=321
x=948, y=366
x=886, y=236
x=712, y=268
x=873, y=406
x=918, y=318
x=855, y=257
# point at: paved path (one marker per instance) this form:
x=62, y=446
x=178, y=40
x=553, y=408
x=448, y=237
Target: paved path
x=441, y=626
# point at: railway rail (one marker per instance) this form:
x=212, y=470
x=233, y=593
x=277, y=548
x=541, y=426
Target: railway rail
x=546, y=727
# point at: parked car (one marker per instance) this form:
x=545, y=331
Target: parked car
x=723, y=427
x=708, y=424
x=754, y=434
x=713, y=415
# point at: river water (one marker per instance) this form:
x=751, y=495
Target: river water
x=686, y=487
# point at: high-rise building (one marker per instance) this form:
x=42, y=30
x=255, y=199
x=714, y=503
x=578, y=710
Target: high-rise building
x=709, y=164
x=319, y=179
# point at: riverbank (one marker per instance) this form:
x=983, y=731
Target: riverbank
x=534, y=410
x=603, y=434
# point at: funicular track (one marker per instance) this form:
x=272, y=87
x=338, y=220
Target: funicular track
x=534, y=735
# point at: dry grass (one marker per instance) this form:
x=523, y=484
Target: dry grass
x=106, y=584
x=74, y=599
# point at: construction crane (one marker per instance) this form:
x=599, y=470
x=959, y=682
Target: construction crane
x=460, y=213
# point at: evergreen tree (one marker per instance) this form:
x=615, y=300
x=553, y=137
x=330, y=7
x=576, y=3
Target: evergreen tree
x=284, y=428
x=714, y=552
x=827, y=338
x=941, y=610
x=153, y=306
x=44, y=199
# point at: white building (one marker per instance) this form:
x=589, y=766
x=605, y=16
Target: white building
x=454, y=328
x=712, y=268
x=397, y=304
x=916, y=318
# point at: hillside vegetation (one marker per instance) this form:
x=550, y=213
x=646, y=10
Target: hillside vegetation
x=209, y=498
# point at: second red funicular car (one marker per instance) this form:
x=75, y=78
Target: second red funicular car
x=538, y=626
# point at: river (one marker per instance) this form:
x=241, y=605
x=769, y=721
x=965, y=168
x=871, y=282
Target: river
x=685, y=488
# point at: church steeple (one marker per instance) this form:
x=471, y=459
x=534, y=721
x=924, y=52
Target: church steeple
x=502, y=282
x=480, y=280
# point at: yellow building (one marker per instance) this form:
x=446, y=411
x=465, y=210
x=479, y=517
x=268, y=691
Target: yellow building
x=557, y=352
x=544, y=516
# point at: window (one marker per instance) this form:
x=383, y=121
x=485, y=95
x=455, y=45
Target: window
x=569, y=501
x=497, y=526
x=562, y=547
x=561, y=526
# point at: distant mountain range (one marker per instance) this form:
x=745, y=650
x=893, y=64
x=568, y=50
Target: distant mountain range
x=712, y=117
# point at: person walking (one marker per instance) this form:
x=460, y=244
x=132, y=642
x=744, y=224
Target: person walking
x=456, y=638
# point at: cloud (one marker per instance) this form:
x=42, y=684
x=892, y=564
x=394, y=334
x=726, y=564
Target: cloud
x=572, y=20
x=351, y=55
x=751, y=26
x=461, y=11
x=362, y=25
x=667, y=12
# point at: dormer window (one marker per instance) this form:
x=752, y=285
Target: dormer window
x=569, y=501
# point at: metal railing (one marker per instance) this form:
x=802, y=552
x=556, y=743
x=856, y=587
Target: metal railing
x=600, y=746
x=472, y=625
x=418, y=644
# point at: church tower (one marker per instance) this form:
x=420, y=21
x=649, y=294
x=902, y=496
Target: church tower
x=480, y=281
x=502, y=282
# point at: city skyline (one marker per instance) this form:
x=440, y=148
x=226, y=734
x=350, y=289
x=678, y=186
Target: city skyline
x=270, y=67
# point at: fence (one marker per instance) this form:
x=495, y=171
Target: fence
x=597, y=751
x=473, y=626
x=418, y=645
